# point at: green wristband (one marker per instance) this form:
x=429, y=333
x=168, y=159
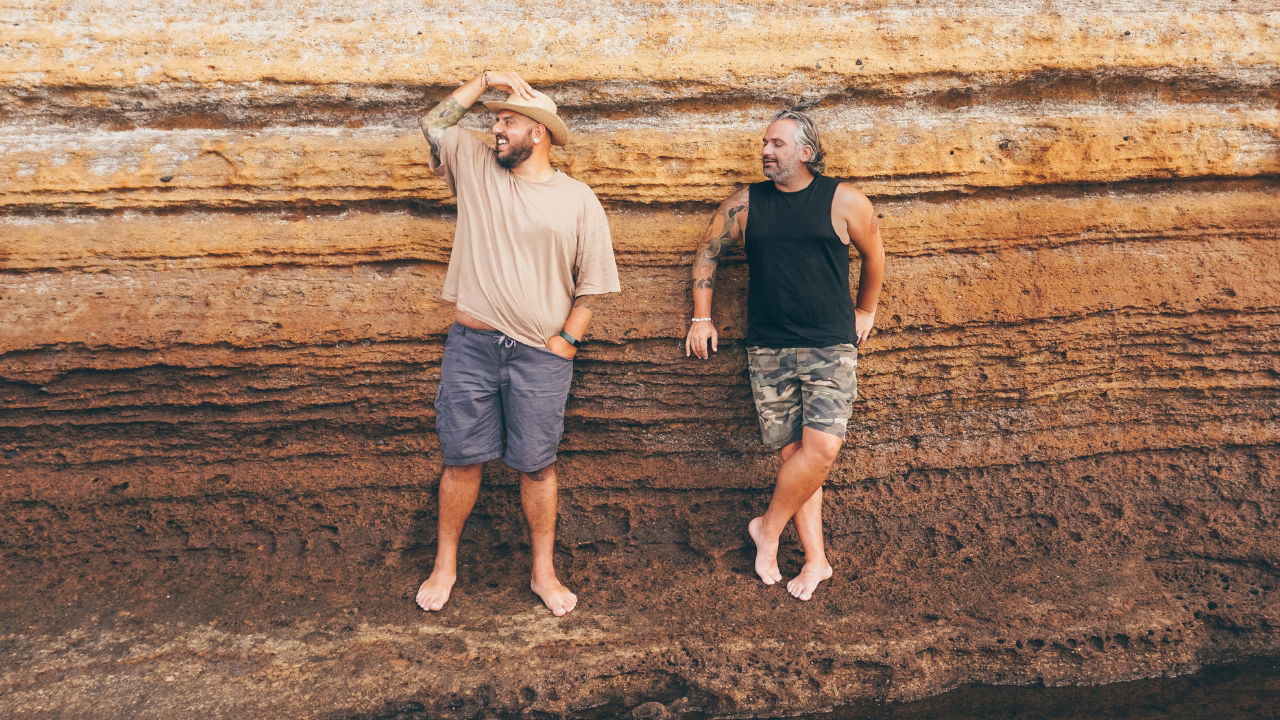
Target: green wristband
x=569, y=338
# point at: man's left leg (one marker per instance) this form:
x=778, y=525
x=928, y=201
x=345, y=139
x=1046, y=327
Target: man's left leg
x=534, y=396
x=800, y=476
x=828, y=384
x=538, y=496
x=808, y=521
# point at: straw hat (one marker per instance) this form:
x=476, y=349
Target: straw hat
x=541, y=109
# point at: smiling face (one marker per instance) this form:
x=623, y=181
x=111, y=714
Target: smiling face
x=781, y=158
x=514, y=136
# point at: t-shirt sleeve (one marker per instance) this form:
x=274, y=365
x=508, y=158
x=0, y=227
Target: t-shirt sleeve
x=595, y=271
x=458, y=149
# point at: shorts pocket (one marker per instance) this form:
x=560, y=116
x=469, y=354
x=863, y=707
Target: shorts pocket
x=469, y=428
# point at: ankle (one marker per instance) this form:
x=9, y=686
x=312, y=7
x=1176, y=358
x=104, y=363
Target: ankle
x=544, y=577
x=444, y=570
x=768, y=532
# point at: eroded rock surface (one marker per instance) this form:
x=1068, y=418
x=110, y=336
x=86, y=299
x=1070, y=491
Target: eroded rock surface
x=220, y=260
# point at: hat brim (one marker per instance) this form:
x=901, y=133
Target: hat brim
x=559, y=131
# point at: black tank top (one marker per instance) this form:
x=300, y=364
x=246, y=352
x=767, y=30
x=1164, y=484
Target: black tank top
x=798, y=268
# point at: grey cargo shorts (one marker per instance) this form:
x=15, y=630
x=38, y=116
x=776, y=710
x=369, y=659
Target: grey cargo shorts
x=500, y=398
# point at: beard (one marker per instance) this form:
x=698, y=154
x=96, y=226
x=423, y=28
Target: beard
x=515, y=154
x=778, y=171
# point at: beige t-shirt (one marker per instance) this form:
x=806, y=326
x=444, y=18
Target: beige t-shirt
x=522, y=250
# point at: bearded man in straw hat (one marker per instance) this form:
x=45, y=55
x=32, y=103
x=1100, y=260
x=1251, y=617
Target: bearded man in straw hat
x=531, y=245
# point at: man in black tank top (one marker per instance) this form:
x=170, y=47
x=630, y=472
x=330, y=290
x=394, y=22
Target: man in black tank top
x=803, y=327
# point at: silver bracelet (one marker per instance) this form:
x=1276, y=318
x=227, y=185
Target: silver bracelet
x=706, y=319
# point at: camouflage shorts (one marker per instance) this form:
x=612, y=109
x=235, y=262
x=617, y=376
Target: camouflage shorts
x=795, y=388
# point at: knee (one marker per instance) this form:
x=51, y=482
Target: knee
x=463, y=472
x=824, y=448
x=543, y=475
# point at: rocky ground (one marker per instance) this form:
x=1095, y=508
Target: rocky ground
x=656, y=624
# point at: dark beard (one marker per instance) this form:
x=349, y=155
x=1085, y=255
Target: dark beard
x=515, y=155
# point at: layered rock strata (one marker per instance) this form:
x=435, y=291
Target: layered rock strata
x=220, y=260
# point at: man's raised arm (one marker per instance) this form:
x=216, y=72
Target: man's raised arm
x=450, y=110
x=728, y=225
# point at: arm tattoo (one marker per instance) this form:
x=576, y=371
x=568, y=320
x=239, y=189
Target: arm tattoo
x=713, y=247
x=440, y=118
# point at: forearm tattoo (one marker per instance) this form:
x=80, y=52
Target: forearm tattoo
x=440, y=118
x=713, y=247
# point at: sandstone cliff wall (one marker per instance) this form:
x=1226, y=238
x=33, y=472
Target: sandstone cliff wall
x=220, y=258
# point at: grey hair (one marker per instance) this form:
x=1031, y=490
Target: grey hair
x=806, y=134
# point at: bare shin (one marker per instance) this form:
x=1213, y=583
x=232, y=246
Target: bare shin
x=459, y=488
x=538, y=496
x=801, y=475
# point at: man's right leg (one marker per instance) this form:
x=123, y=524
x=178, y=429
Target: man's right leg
x=808, y=520
x=469, y=424
x=459, y=488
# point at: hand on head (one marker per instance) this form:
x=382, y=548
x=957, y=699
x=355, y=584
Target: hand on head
x=510, y=82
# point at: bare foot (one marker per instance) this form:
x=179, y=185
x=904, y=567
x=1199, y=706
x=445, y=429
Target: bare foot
x=803, y=585
x=766, y=553
x=434, y=592
x=555, y=596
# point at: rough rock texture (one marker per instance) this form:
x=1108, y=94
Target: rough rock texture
x=220, y=258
